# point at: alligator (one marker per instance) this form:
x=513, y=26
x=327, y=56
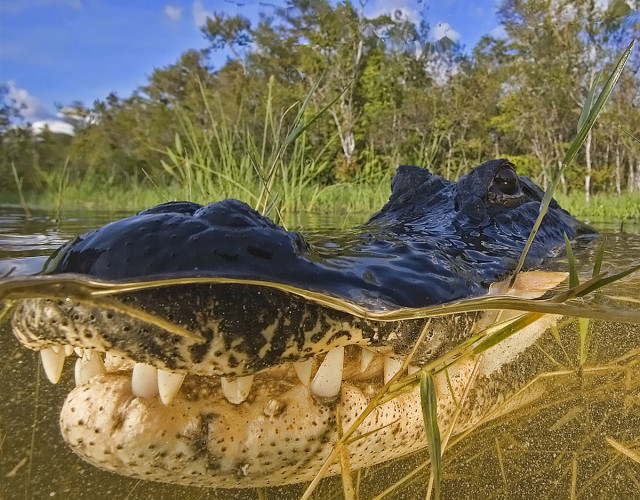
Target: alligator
x=266, y=344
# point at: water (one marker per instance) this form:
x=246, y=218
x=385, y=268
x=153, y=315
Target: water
x=560, y=445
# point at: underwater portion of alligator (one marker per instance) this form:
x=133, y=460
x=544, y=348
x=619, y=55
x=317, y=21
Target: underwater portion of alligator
x=264, y=367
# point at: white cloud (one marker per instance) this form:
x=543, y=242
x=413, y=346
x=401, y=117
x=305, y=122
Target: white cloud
x=30, y=107
x=200, y=14
x=173, y=13
x=56, y=126
x=396, y=9
x=442, y=30
x=498, y=32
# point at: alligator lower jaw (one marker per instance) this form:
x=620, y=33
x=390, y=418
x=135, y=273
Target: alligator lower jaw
x=280, y=434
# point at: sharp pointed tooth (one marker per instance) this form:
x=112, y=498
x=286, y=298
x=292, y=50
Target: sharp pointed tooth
x=52, y=361
x=144, y=380
x=411, y=369
x=88, y=366
x=391, y=367
x=328, y=379
x=79, y=351
x=169, y=384
x=56, y=348
x=303, y=369
x=236, y=391
x=68, y=350
x=366, y=355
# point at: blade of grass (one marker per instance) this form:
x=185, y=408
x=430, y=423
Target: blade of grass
x=497, y=333
x=583, y=323
x=573, y=271
x=588, y=103
x=573, y=150
x=585, y=337
x=599, y=258
x=429, y=405
x=605, y=280
x=18, y=181
x=624, y=450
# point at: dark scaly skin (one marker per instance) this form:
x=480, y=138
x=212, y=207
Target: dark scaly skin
x=433, y=242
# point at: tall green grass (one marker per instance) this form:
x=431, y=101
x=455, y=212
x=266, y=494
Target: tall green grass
x=364, y=196
x=275, y=169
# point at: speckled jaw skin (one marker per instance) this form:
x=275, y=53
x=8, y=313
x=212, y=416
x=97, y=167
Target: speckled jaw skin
x=280, y=435
x=282, y=431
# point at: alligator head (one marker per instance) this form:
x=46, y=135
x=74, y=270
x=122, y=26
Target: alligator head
x=243, y=366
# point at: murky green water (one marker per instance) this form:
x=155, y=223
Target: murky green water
x=558, y=447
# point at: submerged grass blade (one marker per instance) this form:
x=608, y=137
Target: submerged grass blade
x=497, y=333
x=599, y=258
x=624, y=450
x=585, y=338
x=8, y=305
x=573, y=271
x=583, y=323
x=605, y=280
x=429, y=405
x=573, y=150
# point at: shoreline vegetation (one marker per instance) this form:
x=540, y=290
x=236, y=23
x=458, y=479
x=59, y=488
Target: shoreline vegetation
x=343, y=199
x=320, y=126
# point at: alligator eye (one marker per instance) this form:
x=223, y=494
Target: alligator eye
x=506, y=180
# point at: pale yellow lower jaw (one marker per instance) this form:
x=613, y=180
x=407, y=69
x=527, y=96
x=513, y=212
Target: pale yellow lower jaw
x=280, y=435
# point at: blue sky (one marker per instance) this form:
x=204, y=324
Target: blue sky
x=60, y=51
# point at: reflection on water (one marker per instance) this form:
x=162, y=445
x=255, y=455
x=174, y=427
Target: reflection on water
x=582, y=439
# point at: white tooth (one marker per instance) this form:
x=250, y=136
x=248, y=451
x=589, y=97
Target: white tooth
x=236, y=391
x=303, y=369
x=169, y=384
x=79, y=351
x=411, y=369
x=328, y=379
x=52, y=362
x=144, y=380
x=366, y=355
x=391, y=367
x=68, y=350
x=87, y=367
x=272, y=407
x=56, y=348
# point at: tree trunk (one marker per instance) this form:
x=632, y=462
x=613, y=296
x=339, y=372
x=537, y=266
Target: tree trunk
x=618, y=181
x=449, y=152
x=631, y=183
x=563, y=180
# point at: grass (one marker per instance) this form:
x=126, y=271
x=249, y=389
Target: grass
x=362, y=196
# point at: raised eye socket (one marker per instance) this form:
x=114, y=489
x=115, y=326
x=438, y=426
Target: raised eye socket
x=506, y=180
